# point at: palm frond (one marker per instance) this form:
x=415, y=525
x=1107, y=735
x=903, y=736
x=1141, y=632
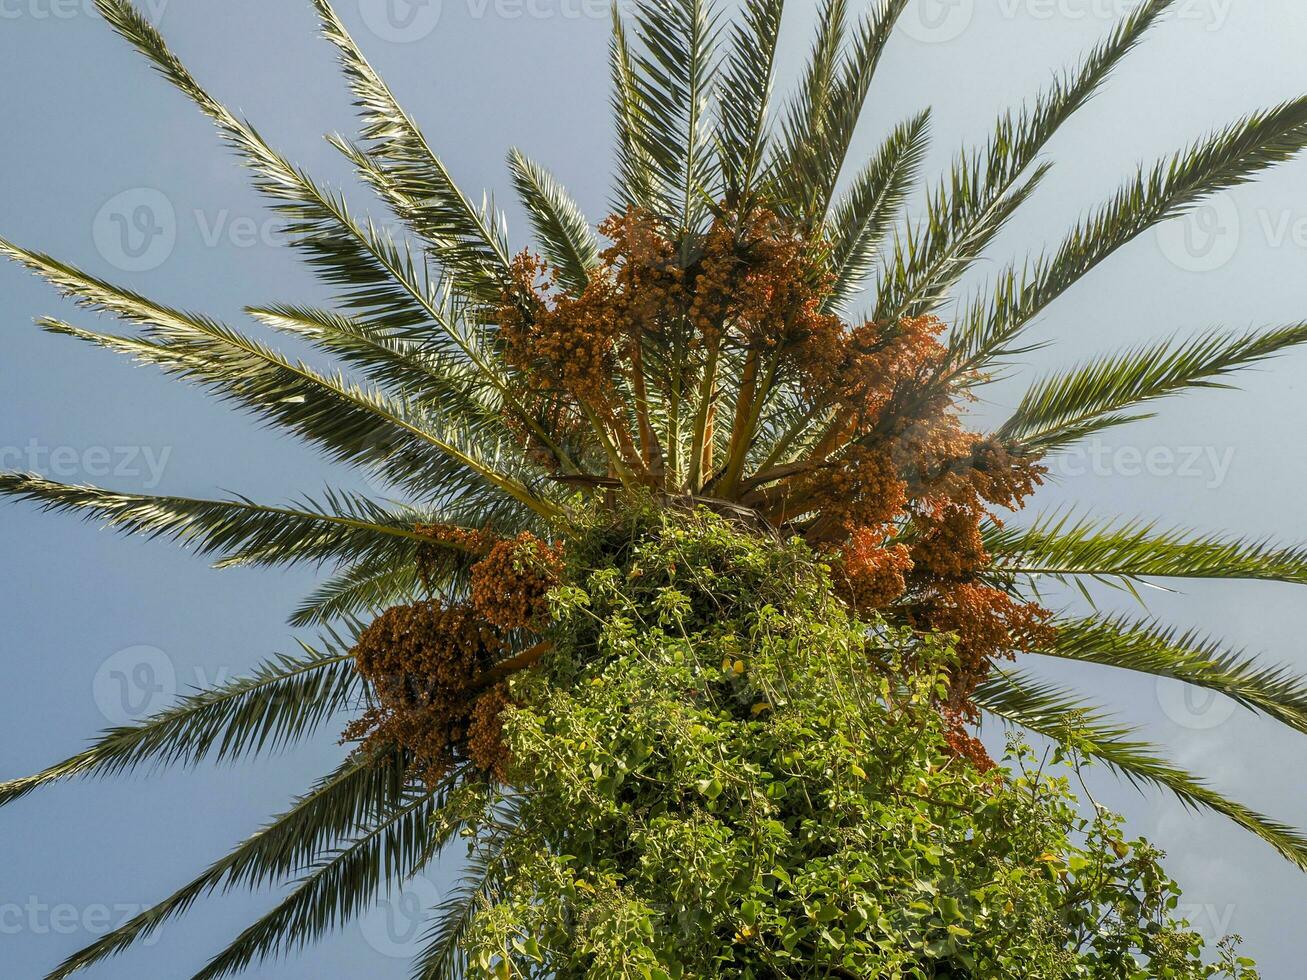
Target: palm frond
x=469, y=241
x=352, y=424
x=380, y=280
x=366, y=588
x=636, y=181
x=565, y=236
x=404, y=366
x=359, y=789
x=746, y=86
x=1060, y=716
x=93, y=293
x=1062, y=546
x=237, y=531
x=988, y=328
x=344, y=881
x=807, y=110
x=674, y=72
x=969, y=208
x=442, y=956
x=963, y=215
x=819, y=128
x=387, y=578
x=283, y=701
x=1093, y=396
x=1149, y=647
x=866, y=213
x=425, y=453
x=379, y=277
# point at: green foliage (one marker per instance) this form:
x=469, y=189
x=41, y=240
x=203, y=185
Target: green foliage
x=818, y=128
x=237, y=532
x=411, y=177
x=710, y=755
x=746, y=95
x=722, y=774
x=356, y=792
x=1174, y=186
x=1056, y=713
x=984, y=188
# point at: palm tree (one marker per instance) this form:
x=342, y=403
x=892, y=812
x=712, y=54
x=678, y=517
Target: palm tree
x=449, y=390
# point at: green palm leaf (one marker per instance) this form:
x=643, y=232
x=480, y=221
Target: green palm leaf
x=392, y=843
x=404, y=367
x=470, y=242
x=635, y=169
x=987, y=329
x=368, y=587
x=746, y=87
x=1059, y=715
x=237, y=531
x=808, y=108
x=283, y=701
x=1061, y=546
x=335, y=807
x=1092, y=396
x=442, y=957
x=564, y=234
x=355, y=425
x=428, y=454
x=380, y=279
x=1149, y=647
x=866, y=213
x=819, y=128
x=673, y=71
x=966, y=212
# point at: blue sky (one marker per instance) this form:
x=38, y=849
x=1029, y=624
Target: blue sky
x=104, y=165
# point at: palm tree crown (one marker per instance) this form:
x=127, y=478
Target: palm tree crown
x=707, y=355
